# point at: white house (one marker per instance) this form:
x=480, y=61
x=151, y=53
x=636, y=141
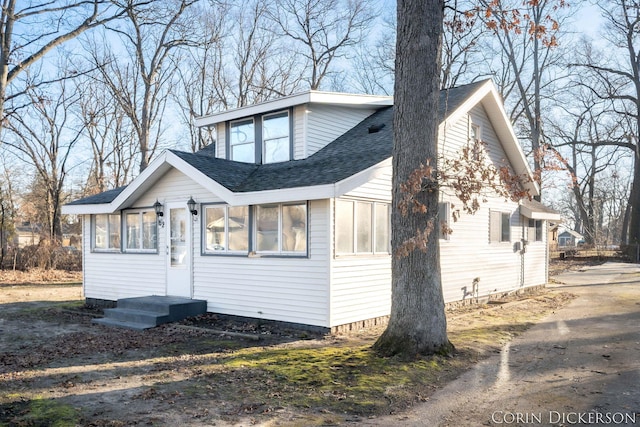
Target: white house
x=291, y=212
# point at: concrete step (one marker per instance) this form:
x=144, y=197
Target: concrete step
x=147, y=312
x=137, y=316
x=123, y=324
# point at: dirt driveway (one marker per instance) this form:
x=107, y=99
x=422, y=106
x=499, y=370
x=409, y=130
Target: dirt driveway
x=579, y=366
x=56, y=368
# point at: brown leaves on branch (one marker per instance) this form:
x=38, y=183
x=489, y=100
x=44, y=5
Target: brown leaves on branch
x=471, y=178
x=497, y=17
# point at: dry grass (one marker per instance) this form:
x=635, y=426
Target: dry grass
x=39, y=277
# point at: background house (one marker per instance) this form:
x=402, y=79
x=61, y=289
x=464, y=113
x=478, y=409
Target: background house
x=570, y=239
x=287, y=217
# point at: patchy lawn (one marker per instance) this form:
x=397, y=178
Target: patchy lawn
x=56, y=368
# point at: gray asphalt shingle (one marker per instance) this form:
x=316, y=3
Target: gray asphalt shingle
x=353, y=152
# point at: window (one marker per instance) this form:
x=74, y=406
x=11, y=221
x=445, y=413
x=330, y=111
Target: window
x=262, y=139
x=141, y=231
x=535, y=230
x=106, y=232
x=500, y=226
x=361, y=227
x=226, y=229
x=475, y=137
x=281, y=228
x=443, y=220
x=275, y=138
x=242, y=141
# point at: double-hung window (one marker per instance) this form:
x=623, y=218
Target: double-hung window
x=362, y=227
x=281, y=228
x=141, y=231
x=261, y=139
x=242, y=141
x=275, y=138
x=226, y=229
x=106, y=232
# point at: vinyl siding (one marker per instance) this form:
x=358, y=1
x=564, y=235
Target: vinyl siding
x=498, y=265
x=277, y=288
x=361, y=284
x=221, y=141
x=325, y=123
x=299, y=129
x=112, y=276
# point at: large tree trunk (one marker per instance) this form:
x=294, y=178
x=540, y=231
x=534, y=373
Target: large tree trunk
x=417, y=324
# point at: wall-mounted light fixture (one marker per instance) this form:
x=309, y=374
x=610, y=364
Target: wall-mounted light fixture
x=157, y=206
x=192, y=206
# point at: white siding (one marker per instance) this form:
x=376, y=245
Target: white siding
x=468, y=254
x=299, y=129
x=276, y=288
x=326, y=123
x=377, y=189
x=361, y=284
x=112, y=276
x=221, y=140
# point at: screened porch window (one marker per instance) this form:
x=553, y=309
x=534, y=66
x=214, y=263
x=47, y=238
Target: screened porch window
x=106, y=232
x=226, y=229
x=281, y=228
x=141, y=231
x=362, y=227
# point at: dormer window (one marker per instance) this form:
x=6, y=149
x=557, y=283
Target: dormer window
x=262, y=139
x=242, y=141
x=275, y=136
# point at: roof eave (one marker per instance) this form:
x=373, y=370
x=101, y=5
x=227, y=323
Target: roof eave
x=309, y=97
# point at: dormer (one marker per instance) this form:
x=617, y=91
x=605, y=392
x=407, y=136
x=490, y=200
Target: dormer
x=289, y=128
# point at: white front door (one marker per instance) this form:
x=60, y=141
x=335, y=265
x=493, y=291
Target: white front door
x=179, y=251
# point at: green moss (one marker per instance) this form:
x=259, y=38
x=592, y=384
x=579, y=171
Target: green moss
x=350, y=379
x=42, y=412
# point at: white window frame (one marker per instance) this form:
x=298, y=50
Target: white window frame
x=226, y=249
x=277, y=114
x=279, y=251
x=533, y=226
x=253, y=138
x=125, y=228
x=94, y=236
x=500, y=226
x=354, y=224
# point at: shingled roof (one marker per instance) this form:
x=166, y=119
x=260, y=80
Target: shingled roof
x=355, y=151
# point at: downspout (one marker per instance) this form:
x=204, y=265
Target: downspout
x=523, y=247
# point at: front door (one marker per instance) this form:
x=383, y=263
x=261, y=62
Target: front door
x=179, y=251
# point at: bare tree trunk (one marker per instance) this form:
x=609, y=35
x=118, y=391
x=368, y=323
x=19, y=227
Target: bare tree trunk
x=417, y=324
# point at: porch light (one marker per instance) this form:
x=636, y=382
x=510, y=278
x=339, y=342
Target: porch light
x=192, y=206
x=157, y=206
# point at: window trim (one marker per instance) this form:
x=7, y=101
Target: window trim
x=355, y=252
x=447, y=220
x=229, y=145
x=203, y=237
x=279, y=253
x=124, y=236
x=258, y=122
x=501, y=227
x=93, y=234
x=533, y=230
